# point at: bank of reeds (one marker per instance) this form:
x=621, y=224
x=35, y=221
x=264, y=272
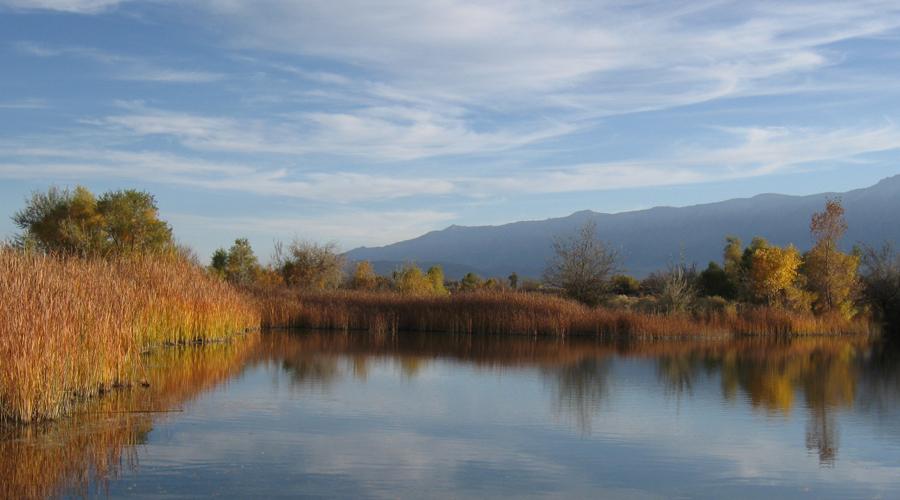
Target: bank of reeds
x=70, y=328
x=532, y=314
x=77, y=455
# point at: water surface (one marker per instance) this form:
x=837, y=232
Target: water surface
x=287, y=414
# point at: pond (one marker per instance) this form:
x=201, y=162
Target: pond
x=356, y=415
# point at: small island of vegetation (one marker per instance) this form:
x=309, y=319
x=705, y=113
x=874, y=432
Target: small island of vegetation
x=91, y=283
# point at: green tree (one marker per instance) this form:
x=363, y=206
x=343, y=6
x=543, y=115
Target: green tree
x=881, y=283
x=623, y=284
x=132, y=222
x=732, y=257
x=715, y=281
x=470, y=282
x=218, y=262
x=74, y=222
x=241, y=266
x=582, y=265
x=513, y=280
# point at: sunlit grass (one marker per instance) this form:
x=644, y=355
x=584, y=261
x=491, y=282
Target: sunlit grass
x=70, y=328
x=532, y=314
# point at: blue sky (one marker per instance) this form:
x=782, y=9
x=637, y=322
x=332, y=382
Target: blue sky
x=366, y=122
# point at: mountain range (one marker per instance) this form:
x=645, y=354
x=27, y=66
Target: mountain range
x=647, y=240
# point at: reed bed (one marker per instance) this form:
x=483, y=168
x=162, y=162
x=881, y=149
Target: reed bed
x=100, y=440
x=531, y=314
x=71, y=328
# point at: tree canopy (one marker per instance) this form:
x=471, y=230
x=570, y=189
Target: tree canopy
x=75, y=222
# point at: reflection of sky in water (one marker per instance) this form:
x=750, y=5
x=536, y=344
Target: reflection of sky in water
x=633, y=427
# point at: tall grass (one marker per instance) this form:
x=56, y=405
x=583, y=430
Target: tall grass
x=70, y=328
x=522, y=313
x=99, y=441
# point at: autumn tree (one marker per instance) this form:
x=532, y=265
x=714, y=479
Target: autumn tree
x=308, y=265
x=410, y=280
x=435, y=276
x=74, y=222
x=582, y=265
x=774, y=276
x=831, y=274
x=364, y=277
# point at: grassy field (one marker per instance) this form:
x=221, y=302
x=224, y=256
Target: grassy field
x=72, y=328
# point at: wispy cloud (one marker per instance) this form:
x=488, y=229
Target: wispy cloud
x=750, y=152
x=349, y=227
x=121, y=67
x=24, y=104
x=71, y=6
x=388, y=133
x=506, y=53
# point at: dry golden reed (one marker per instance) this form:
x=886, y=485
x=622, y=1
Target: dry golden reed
x=70, y=328
x=524, y=313
x=99, y=441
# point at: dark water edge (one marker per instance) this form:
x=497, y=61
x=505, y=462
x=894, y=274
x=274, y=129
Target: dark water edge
x=329, y=414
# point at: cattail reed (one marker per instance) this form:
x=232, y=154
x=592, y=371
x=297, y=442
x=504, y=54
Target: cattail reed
x=531, y=314
x=70, y=328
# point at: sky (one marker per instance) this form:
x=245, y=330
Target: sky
x=365, y=122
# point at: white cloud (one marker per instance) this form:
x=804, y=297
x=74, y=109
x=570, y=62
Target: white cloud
x=72, y=6
x=376, y=133
x=509, y=53
x=122, y=67
x=327, y=186
x=753, y=152
x=758, y=151
x=350, y=227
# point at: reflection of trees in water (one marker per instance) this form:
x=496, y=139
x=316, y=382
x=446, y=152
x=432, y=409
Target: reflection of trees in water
x=579, y=388
x=770, y=373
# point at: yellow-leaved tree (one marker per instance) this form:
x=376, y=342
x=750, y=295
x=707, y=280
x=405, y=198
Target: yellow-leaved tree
x=364, y=277
x=774, y=276
x=831, y=274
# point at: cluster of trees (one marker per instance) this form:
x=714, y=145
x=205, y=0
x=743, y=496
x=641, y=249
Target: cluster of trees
x=823, y=280
x=75, y=222
x=300, y=264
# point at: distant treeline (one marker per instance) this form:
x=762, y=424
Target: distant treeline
x=824, y=280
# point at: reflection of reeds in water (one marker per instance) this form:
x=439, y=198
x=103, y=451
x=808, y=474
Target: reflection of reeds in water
x=95, y=443
x=72, y=327
x=524, y=313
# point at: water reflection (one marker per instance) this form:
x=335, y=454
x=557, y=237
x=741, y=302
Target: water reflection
x=600, y=386
x=83, y=452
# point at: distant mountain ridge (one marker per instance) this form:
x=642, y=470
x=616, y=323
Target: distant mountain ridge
x=649, y=239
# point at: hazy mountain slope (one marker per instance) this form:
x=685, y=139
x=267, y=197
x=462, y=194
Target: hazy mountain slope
x=648, y=239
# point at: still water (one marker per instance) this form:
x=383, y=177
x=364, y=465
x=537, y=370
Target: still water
x=288, y=414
